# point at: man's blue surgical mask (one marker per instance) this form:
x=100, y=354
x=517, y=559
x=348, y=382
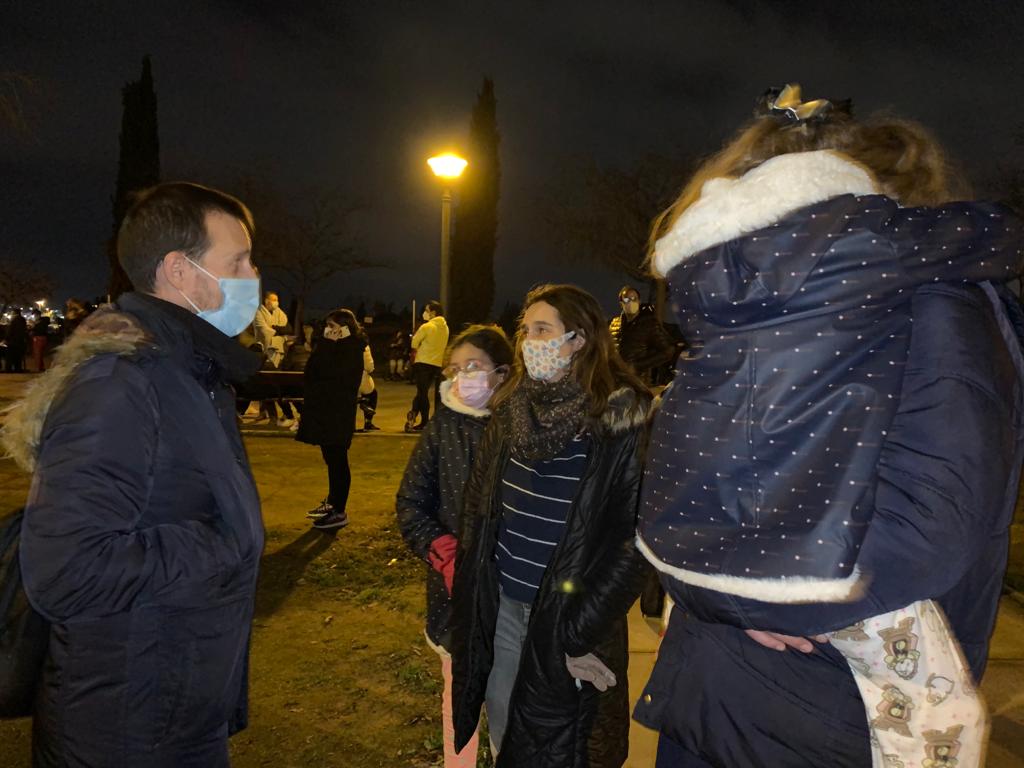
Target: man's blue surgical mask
x=236, y=311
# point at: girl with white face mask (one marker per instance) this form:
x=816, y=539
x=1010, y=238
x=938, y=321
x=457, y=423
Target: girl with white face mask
x=547, y=566
x=429, y=501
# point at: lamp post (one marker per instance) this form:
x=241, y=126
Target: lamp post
x=447, y=167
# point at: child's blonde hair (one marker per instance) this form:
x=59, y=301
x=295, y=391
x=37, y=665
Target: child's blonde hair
x=908, y=162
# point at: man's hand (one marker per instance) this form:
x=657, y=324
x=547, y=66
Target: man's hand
x=591, y=669
x=778, y=642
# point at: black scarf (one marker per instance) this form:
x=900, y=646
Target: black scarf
x=543, y=417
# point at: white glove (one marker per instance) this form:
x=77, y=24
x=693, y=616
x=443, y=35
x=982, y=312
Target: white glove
x=590, y=668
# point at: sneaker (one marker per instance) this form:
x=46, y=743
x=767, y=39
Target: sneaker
x=323, y=510
x=419, y=427
x=370, y=427
x=286, y=423
x=410, y=421
x=331, y=520
x=294, y=426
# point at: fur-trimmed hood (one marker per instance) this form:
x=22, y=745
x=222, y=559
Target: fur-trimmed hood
x=730, y=208
x=105, y=332
x=627, y=409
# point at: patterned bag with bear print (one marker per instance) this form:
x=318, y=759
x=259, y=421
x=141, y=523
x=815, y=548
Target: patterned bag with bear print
x=922, y=706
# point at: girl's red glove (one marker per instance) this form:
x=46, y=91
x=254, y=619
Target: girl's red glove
x=442, y=558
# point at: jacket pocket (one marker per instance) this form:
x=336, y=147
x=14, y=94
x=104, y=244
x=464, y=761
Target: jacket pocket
x=202, y=663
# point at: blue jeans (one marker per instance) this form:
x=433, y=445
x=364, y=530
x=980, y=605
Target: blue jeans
x=509, y=636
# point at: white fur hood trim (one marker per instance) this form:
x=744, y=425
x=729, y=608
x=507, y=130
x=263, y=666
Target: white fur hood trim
x=797, y=589
x=731, y=208
x=457, y=405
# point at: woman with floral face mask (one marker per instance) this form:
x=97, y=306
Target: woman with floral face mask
x=429, y=500
x=547, y=566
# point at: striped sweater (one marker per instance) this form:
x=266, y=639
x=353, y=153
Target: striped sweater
x=535, y=500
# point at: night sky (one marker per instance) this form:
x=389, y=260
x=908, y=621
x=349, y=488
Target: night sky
x=356, y=95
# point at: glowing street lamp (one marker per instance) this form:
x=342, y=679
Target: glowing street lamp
x=447, y=167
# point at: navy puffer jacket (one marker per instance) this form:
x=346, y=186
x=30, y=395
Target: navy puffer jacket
x=762, y=469
x=141, y=541
x=429, y=500
x=951, y=464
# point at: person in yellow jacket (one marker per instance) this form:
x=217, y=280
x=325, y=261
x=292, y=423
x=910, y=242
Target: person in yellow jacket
x=429, y=344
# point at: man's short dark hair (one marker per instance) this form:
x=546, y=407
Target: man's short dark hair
x=171, y=217
x=628, y=289
x=435, y=307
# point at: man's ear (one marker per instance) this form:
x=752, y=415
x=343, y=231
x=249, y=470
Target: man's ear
x=172, y=268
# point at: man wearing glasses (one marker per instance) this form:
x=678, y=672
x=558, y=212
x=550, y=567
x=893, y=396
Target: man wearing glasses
x=639, y=335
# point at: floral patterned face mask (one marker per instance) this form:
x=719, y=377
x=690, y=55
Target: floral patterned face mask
x=543, y=363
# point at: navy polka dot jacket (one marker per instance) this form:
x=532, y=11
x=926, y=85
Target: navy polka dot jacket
x=762, y=468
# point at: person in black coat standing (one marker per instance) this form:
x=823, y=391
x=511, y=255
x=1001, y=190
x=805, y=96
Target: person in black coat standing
x=639, y=335
x=429, y=501
x=17, y=343
x=547, y=566
x=142, y=533
x=331, y=391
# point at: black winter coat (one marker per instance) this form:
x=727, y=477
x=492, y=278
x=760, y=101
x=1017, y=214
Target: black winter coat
x=429, y=500
x=141, y=541
x=642, y=340
x=330, y=391
x=594, y=576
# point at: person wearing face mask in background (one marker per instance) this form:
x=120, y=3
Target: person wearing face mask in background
x=271, y=330
x=142, y=534
x=429, y=500
x=429, y=343
x=331, y=390
x=547, y=566
x=639, y=335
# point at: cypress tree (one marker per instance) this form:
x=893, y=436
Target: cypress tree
x=138, y=164
x=476, y=222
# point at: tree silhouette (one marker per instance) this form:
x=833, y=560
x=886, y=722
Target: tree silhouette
x=476, y=222
x=20, y=95
x=603, y=215
x=138, y=164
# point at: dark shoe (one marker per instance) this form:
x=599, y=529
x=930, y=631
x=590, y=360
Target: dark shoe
x=331, y=521
x=322, y=511
x=419, y=427
x=370, y=427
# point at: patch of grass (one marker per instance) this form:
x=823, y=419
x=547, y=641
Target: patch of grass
x=413, y=676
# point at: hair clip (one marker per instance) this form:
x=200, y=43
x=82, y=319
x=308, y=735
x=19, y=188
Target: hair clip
x=785, y=103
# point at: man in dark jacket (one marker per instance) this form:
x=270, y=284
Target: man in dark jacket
x=639, y=335
x=142, y=532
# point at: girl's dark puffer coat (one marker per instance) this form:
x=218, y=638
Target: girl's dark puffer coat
x=429, y=501
x=330, y=391
x=594, y=575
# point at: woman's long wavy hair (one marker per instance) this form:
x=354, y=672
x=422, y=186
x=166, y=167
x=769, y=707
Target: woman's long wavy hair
x=597, y=366
x=905, y=159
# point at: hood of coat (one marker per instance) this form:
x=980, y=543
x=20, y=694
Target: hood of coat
x=438, y=322
x=104, y=332
x=731, y=208
x=454, y=404
x=627, y=409
x=805, y=234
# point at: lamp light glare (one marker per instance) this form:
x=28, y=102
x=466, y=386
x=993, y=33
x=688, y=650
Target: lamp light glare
x=447, y=166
